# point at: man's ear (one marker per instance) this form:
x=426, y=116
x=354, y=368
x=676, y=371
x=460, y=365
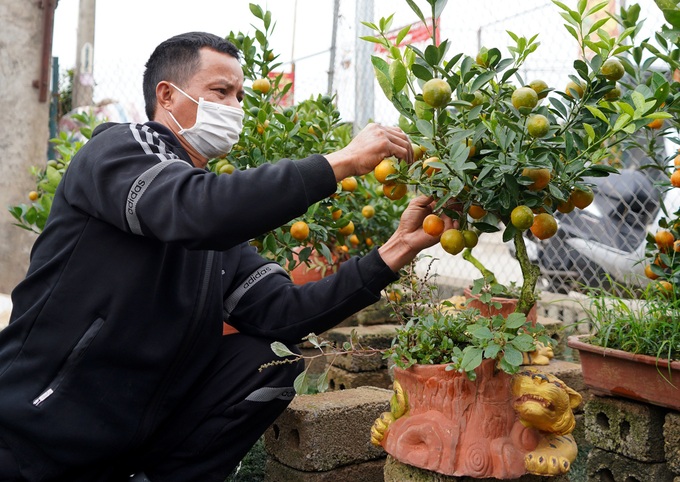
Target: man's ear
x=164, y=95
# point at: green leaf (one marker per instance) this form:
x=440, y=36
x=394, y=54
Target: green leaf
x=281, y=350
x=512, y=356
x=439, y=7
x=572, y=31
x=597, y=8
x=256, y=10
x=301, y=383
x=509, y=233
x=590, y=131
x=625, y=107
x=425, y=128
x=382, y=74
x=481, y=80
x=421, y=72
x=638, y=101
x=375, y=40
x=524, y=342
x=416, y=10
x=398, y=75
x=622, y=121
x=432, y=55
x=581, y=6
x=322, y=382
x=472, y=358
x=480, y=331
x=492, y=350
x=402, y=33
x=597, y=113
x=598, y=24
x=515, y=320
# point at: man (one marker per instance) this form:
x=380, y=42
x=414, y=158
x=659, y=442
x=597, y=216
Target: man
x=114, y=361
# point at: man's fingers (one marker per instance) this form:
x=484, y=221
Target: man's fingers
x=404, y=149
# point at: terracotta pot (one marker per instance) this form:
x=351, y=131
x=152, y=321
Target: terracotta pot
x=619, y=373
x=318, y=268
x=459, y=427
x=508, y=305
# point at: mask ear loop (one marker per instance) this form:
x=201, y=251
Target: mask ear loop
x=187, y=96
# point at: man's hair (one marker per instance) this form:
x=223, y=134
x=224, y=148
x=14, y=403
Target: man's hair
x=176, y=60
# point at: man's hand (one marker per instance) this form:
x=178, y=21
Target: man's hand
x=409, y=238
x=370, y=146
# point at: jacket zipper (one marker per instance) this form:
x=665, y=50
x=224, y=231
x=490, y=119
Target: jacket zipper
x=150, y=414
x=70, y=362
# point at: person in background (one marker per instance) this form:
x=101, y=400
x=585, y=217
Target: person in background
x=114, y=362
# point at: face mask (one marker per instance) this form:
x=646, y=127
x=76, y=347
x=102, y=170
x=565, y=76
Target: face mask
x=216, y=130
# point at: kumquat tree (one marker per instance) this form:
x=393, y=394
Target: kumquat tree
x=501, y=152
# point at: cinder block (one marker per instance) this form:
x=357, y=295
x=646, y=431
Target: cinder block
x=325, y=431
x=603, y=466
x=626, y=428
x=377, y=337
x=340, y=379
x=377, y=314
x=371, y=471
x=396, y=471
x=671, y=437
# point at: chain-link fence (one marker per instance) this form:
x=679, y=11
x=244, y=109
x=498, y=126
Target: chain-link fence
x=607, y=239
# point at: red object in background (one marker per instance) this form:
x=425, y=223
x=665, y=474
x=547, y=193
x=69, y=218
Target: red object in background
x=286, y=78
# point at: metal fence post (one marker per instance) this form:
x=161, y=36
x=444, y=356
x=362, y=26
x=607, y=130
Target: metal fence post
x=364, y=95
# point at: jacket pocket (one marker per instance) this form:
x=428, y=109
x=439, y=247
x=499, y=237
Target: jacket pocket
x=72, y=360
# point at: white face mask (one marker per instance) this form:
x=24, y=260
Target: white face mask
x=216, y=130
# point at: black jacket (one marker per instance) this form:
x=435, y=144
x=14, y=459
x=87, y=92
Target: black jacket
x=123, y=303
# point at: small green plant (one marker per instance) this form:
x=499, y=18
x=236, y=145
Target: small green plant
x=439, y=333
x=648, y=324
x=306, y=383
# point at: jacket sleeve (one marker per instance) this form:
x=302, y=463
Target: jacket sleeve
x=273, y=307
x=131, y=177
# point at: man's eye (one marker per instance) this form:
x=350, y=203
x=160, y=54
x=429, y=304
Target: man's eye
x=221, y=91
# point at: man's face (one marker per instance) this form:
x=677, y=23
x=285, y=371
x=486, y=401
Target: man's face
x=219, y=79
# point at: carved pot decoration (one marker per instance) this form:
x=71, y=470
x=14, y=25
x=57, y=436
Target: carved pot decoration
x=498, y=426
x=508, y=305
x=622, y=374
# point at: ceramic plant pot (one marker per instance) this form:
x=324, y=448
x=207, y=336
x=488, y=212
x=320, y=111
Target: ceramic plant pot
x=622, y=374
x=508, y=305
x=318, y=268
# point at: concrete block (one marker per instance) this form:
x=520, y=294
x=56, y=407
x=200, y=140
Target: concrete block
x=371, y=471
x=325, y=431
x=625, y=427
x=377, y=314
x=340, y=379
x=396, y=471
x=603, y=466
x=373, y=337
x=671, y=437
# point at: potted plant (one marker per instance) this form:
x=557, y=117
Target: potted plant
x=497, y=152
x=634, y=348
x=500, y=152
